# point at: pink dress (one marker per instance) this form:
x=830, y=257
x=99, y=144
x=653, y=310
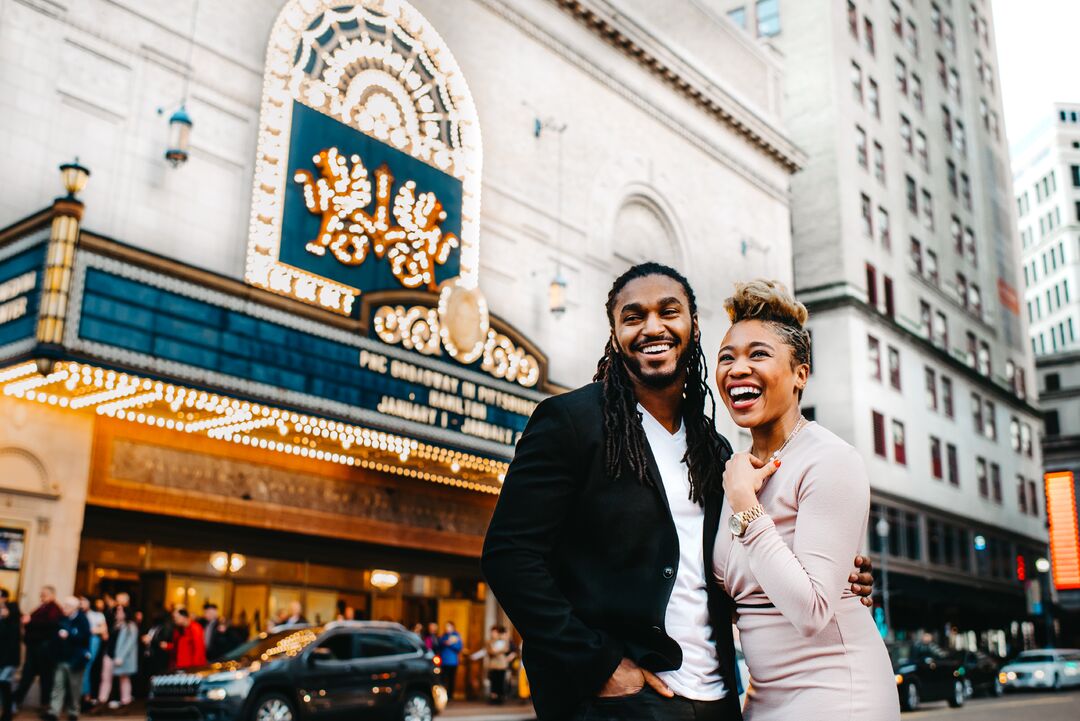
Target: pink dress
x=812, y=648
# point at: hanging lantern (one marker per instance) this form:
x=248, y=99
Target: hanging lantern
x=74, y=177
x=179, y=137
x=557, y=294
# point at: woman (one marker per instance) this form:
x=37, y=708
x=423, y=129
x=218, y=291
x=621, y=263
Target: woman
x=121, y=660
x=813, y=651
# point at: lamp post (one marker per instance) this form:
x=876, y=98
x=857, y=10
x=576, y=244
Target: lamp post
x=882, y=528
x=60, y=257
x=1043, y=567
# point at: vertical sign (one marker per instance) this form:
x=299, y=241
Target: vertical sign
x=1064, y=529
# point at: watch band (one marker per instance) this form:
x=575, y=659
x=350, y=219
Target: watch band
x=749, y=516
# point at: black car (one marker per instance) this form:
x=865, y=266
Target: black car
x=354, y=669
x=925, y=672
x=981, y=673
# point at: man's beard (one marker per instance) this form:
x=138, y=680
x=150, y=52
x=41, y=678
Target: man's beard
x=659, y=380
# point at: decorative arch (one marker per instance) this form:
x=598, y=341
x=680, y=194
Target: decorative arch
x=643, y=227
x=379, y=67
x=23, y=472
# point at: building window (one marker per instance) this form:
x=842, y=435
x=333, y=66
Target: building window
x=954, y=464
x=947, y=396
x=856, y=82
x=883, y=227
x=912, y=195
x=961, y=289
x=860, y=148
x=867, y=217
x=950, y=170
x=932, y=267
x=905, y=134
x=917, y=92
x=980, y=473
x=941, y=330
x=956, y=231
x=1014, y=433
x=925, y=321
x=960, y=139
x=894, y=367
x=977, y=413
x=853, y=19
x=928, y=209
x=931, y=389
x=768, y=18
x=1075, y=170
x=921, y=150
x=1021, y=494
x=896, y=20
x=899, y=447
x=954, y=85
x=738, y=16
x=879, y=162
x=911, y=38
x=942, y=70
x=965, y=190
x=916, y=256
x=950, y=35
x=1033, y=500
x=871, y=285
x=901, y=76
x=995, y=481
x=1053, y=423
x=990, y=413
x=890, y=301
x=868, y=28
x=874, y=97
x=873, y=356
x=984, y=358
x=935, y=457
x=970, y=247
x=1025, y=440
x=946, y=123
x=879, y=434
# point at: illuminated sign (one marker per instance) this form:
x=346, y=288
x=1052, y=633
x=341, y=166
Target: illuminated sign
x=1064, y=529
x=368, y=159
x=19, y=292
x=242, y=347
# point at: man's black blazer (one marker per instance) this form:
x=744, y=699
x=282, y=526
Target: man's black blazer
x=584, y=564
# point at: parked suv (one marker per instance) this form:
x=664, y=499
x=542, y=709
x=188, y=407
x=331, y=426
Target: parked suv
x=354, y=669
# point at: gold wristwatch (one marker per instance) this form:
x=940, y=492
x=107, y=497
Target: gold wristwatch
x=739, y=521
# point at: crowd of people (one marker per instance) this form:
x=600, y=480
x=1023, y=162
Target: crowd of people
x=89, y=655
x=499, y=654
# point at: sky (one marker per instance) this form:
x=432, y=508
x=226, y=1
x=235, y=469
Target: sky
x=1038, y=47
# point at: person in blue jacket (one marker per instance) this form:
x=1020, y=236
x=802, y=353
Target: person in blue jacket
x=71, y=650
x=450, y=653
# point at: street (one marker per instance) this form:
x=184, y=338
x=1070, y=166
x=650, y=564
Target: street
x=1060, y=706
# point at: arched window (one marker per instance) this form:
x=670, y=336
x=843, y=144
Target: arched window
x=642, y=231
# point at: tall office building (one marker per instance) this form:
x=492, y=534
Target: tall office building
x=906, y=255
x=1046, y=178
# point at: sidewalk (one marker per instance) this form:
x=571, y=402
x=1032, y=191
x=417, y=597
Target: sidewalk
x=459, y=711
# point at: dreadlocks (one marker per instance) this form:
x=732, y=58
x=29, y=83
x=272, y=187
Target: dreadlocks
x=625, y=446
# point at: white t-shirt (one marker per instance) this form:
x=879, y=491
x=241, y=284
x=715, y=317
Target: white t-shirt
x=687, y=617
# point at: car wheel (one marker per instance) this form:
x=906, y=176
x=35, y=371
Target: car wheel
x=417, y=707
x=274, y=707
x=969, y=688
x=958, y=695
x=910, y=698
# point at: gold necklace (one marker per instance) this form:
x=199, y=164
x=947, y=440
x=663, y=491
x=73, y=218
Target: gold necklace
x=799, y=425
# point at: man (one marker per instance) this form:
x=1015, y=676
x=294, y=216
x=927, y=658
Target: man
x=597, y=548
x=217, y=635
x=72, y=652
x=40, y=629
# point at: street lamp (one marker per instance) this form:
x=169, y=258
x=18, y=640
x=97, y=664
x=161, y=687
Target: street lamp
x=384, y=580
x=223, y=562
x=882, y=529
x=557, y=294
x=179, y=137
x=74, y=177
x=1043, y=567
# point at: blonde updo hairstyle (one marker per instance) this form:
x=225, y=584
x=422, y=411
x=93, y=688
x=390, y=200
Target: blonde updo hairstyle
x=771, y=302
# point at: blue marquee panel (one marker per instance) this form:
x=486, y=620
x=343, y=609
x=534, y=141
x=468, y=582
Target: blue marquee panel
x=14, y=270
x=134, y=316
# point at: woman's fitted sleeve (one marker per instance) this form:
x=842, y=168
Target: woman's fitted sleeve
x=805, y=583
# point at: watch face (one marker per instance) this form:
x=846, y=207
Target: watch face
x=736, y=524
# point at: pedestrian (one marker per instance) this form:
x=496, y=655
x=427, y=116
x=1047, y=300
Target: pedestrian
x=499, y=654
x=217, y=636
x=9, y=651
x=39, y=632
x=155, y=649
x=450, y=653
x=71, y=649
x=188, y=648
x=121, y=660
x=99, y=633
x=431, y=638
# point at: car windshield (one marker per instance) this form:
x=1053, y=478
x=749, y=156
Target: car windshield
x=272, y=646
x=1035, y=658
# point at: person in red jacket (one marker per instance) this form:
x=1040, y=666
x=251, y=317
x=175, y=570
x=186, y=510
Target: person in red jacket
x=188, y=648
